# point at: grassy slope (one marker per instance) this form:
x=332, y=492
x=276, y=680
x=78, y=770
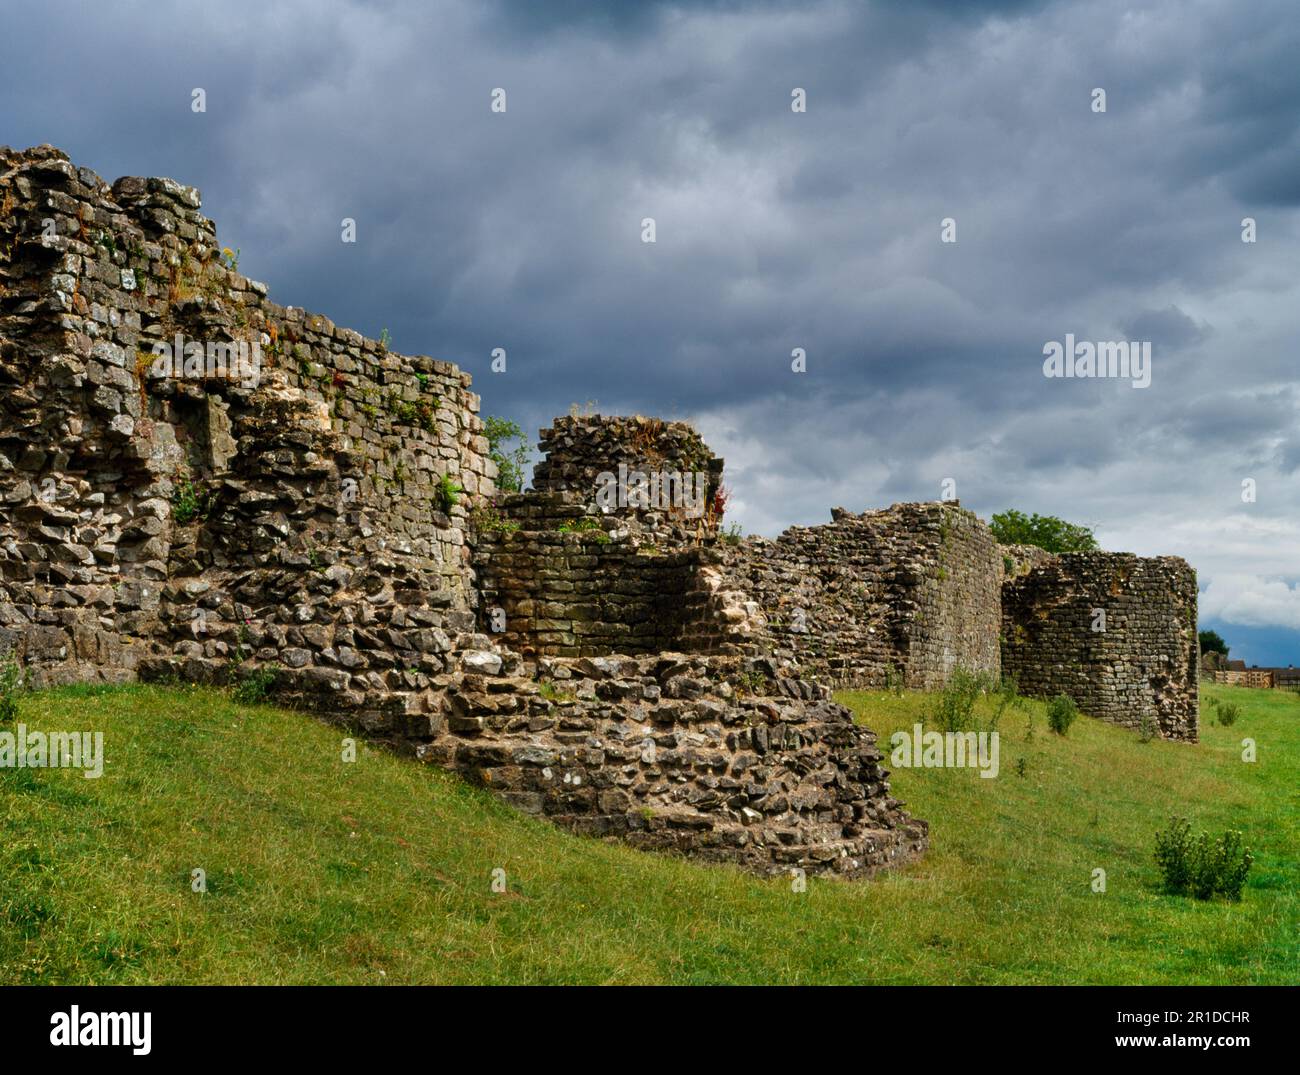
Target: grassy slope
x=379, y=871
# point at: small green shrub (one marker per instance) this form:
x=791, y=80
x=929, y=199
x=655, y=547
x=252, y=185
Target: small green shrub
x=1173, y=856
x=190, y=500
x=733, y=534
x=1231, y=861
x=12, y=681
x=1228, y=713
x=253, y=685
x=1197, y=864
x=954, y=708
x=1061, y=712
x=512, y=463
x=488, y=519
x=1007, y=695
x=1146, y=728
x=446, y=494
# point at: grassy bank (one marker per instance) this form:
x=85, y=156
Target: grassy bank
x=380, y=871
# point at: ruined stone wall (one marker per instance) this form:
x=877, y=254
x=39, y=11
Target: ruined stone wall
x=312, y=532
x=578, y=449
x=1259, y=679
x=329, y=529
x=905, y=594
x=910, y=592
x=1019, y=559
x=203, y=521
x=1141, y=667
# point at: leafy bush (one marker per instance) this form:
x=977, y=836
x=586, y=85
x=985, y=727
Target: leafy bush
x=12, y=681
x=1061, y=712
x=1212, y=641
x=1229, y=861
x=511, y=462
x=1173, y=854
x=1013, y=527
x=1195, y=863
x=954, y=708
x=1228, y=713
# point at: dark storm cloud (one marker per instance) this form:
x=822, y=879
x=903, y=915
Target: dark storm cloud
x=776, y=230
x=1169, y=328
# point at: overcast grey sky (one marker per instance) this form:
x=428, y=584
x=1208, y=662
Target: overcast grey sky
x=775, y=230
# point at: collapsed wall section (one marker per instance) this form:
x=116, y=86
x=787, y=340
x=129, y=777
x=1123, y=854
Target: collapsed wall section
x=721, y=758
x=578, y=450
x=1115, y=632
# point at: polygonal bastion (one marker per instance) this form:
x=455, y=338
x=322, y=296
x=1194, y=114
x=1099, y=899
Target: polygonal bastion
x=328, y=529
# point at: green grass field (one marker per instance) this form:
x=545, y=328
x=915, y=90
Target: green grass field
x=380, y=871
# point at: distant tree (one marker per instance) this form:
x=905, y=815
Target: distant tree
x=1013, y=527
x=511, y=462
x=1210, y=641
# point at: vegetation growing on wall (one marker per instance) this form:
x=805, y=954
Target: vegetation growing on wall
x=509, y=450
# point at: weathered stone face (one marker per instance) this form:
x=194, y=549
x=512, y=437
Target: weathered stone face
x=322, y=470
x=1115, y=632
x=906, y=594
x=581, y=592
x=581, y=450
